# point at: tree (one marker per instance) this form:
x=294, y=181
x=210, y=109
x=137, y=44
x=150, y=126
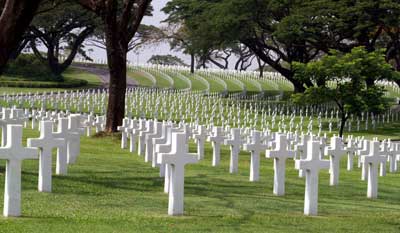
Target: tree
x=245, y=57
x=146, y=35
x=166, y=60
x=121, y=21
x=61, y=30
x=345, y=24
x=16, y=15
x=180, y=39
x=342, y=80
x=272, y=29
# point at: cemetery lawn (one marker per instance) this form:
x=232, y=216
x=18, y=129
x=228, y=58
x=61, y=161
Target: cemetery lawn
x=112, y=190
x=71, y=73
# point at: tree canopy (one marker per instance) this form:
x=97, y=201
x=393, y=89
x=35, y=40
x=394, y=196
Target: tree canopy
x=62, y=32
x=167, y=60
x=281, y=33
x=15, y=17
x=343, y=80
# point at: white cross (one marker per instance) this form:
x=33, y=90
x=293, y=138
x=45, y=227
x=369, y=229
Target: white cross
x=351, y=150
x=280, y=154
x=148, y=142
x=99, y=123
x=89, y=123
x=142, y=136
x=372, y=161
x=46, y=142
x=4, y=121
x=177, y=158
x=33, y=116
x=385, y=153
x=302, y=149
x=123, y=128
x=312, y=165
x=14, y=153
x=255, y=147
x=165, y=148
x=9, y=117
x=235, y=142
x=166, y=129
x=132, y=134
x=393, y=152
x=200, y=137
x=73, y=138
x=364, y=151
x=62, y=131
x=216, y=138
x=335, y=152
x=397, y=157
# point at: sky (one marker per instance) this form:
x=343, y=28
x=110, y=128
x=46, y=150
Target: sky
x=142, y=56
x=145, y=54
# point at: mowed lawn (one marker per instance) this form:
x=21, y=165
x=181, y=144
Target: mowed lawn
x=112, y=190
x=70, y=74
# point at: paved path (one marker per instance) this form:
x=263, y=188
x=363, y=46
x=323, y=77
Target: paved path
x=104, y=75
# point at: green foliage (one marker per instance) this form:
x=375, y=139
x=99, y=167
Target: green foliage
x=166, y=60
x=284, y=32
x=38, y=84
x=61, y=27
x=343, y=79
x=31, y=68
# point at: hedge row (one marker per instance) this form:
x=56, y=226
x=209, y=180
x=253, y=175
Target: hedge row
x=37, y=84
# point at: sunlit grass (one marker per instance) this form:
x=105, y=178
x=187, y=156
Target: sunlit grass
x=112, y=190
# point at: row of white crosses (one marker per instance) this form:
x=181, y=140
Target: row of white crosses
x=67, y=141
x=165, y=146
x=157, y=139
x=167, y=143
x=191, y=107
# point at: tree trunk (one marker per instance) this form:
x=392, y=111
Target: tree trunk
x=238, y=63
x=370, y=82
x=192, y=59
x=18, y=50
x=298, y=85
x=342, y=123
x=285, y=72
x=116, y=55
x=261, y=66
x=52, y=60
x=120, y=28
x=14, y=20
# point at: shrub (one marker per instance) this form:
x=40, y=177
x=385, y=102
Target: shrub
x=31, y=68
x=39, y=84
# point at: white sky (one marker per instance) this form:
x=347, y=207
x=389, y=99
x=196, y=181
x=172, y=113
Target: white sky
x=144, y=54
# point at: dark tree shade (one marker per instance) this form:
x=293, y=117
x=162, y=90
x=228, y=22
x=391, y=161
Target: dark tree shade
x=16, y=16
x=121, y=21
x=64, y=28
x=167, y=60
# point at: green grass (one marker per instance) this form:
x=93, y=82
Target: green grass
x=251, y=87
x=284, y=86
x=178, y=82
x=268, y=86
x=391, y=92
x=197, y=85
x=112, y=190
x=140, y=78
x=161, y=81
x=92, y=79
x=71, y=73
x=232, y=86
x=214, y=85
